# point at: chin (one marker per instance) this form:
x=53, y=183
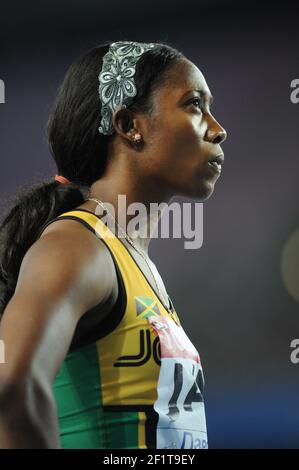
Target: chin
x=201, y=192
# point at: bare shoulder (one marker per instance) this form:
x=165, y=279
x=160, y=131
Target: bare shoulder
x=66, y=272
x=68, y=251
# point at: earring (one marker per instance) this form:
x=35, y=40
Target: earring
x=137, y=138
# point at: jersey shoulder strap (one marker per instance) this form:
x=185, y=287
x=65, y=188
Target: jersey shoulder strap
x=92, y=222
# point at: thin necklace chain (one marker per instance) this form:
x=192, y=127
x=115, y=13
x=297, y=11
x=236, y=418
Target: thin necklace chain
x=130, y=240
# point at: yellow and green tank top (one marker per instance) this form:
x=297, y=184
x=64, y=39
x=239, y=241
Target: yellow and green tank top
x=135, y=381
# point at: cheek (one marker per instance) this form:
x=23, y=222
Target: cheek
x=175, y=146
x=184, y=144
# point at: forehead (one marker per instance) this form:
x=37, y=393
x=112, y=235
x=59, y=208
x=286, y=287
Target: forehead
x=184, y=76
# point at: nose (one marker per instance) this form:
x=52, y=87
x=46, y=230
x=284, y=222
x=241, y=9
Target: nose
x=215, y=133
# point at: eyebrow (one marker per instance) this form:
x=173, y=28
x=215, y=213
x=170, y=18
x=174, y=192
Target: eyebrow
x=201, y=93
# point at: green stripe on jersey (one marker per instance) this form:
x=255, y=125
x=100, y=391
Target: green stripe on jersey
x=82, y=421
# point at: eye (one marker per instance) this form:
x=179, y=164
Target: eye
x=197, y=102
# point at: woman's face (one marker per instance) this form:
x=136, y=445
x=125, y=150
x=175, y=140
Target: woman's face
x=182, y=136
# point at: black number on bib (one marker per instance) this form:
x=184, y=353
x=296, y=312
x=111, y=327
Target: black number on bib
x=174, y=412
x=194, y=394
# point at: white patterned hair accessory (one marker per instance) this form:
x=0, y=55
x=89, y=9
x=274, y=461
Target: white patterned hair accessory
x=117, y=85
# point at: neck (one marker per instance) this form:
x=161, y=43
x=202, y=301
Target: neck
x=140, y=220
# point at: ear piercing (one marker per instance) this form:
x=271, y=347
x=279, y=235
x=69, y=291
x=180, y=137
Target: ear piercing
x=137, y=138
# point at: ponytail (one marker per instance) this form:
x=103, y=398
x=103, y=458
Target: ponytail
x=21, y=226
x=79, y=151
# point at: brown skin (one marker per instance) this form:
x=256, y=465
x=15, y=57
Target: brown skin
x=56, y=286
x=178, y=139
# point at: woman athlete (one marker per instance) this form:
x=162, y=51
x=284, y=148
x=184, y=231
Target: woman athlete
x=95, y=355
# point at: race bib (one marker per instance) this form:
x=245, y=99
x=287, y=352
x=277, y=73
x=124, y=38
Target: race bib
x=180, y=405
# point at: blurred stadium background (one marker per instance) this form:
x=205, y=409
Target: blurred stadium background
x=238, y=295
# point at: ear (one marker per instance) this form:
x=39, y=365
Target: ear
x=125, y=123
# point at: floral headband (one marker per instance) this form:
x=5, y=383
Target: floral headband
x=117, y=85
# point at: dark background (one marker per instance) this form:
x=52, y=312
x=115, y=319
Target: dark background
x=230, y=294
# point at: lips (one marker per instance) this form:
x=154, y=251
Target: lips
x=216, y=162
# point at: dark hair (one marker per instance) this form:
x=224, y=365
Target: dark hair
x=78, y=149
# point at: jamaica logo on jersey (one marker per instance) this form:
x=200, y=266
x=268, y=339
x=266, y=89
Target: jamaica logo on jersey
x=146, y=307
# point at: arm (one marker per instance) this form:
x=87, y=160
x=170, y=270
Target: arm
x=62, y=275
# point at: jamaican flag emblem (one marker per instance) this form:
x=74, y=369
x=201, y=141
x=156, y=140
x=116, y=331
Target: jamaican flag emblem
x=146, y=307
